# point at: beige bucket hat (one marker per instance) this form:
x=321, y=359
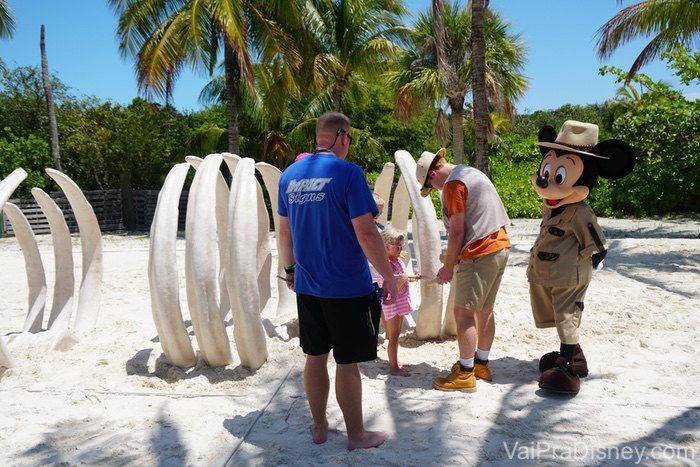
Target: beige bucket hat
x=424, y=162
x=577, y=137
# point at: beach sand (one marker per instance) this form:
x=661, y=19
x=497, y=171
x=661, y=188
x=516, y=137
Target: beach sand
x=110, y=398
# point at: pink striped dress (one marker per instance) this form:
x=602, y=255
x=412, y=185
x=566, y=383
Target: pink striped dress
x=402, y=306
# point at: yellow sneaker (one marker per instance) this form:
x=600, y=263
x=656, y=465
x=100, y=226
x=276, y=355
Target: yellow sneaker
x=457, y=380
x=481, y=371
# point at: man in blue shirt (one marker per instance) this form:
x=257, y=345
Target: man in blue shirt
x=327, y=234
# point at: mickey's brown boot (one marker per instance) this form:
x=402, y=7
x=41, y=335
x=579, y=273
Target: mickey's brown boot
x=561, y=378
x=578, y=363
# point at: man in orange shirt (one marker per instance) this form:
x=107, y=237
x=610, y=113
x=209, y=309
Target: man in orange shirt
x=477, y=252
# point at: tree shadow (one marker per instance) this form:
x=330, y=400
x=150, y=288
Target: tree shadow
x=644, y=267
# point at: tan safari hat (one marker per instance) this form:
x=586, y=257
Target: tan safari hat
x=577, y=137
x=424, y=162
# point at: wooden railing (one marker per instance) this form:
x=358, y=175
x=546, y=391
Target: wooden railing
x=107, y=205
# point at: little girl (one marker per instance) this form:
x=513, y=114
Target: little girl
x=393, y=314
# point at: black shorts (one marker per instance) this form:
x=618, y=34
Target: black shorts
x=348, y=326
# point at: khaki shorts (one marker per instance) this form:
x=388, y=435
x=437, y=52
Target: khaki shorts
x=558, y=306
x=477, y=280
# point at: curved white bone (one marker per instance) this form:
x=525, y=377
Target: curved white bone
x=36, y=278
x=245, y=255
x=200, y=264
x=231, y=161
x=400, y=205
x=221, y=207
x=429, y=246
x=91, y=245
x=7, y=186
x=64, y=280
x=264, y=285
x=286, y=300
x=382, y=187
x=10, y=183
x=163, y=275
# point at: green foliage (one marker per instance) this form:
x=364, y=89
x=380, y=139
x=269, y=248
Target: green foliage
x=664, y=129
x=512, y=165
x=30, y=153
x=530, y=124
x=22, y=103
x=374, y=118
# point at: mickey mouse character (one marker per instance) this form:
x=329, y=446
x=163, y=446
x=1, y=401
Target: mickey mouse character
x=570, y=243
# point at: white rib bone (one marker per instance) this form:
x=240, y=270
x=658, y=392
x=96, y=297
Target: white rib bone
x=7, y=186
x=10, y=183
x=200, y=264
x=245, y=255
x=221, y=207
x=264, y=285
x=64, y=279
x=36, y=278
x=91, y=245
x=428, y=235
x=286, y=300
x=163, y=275
x=382, y=187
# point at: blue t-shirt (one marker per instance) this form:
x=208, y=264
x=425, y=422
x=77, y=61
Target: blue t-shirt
x=320, y=195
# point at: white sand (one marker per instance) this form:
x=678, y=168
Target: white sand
x=111, y=399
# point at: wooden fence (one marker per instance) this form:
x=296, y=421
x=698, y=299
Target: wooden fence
x=107, y=205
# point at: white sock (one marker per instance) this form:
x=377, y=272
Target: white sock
x=467, y=363
x=482, y=355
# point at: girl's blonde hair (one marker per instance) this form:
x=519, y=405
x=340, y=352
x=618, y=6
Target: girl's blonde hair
x=390, y=234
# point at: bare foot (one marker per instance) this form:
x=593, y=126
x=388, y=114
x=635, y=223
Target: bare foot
x=319, y=433
x=368, y=439
x=399, y=372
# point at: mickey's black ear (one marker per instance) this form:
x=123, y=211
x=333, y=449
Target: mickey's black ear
x=546, y=135
x=621, y=158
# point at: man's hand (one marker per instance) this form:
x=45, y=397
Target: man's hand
x=390, y=291
x=444, y=275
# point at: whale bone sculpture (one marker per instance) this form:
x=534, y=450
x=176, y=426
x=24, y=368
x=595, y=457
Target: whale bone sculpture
x=91, y=245
x=200, y=264
x=36, y=277
x=427, y=237
x=64, y=279
x=248, y=249
x=163, y=275
x=286, y=300
x=221, y=222
x=7, y=186
x=382, y=187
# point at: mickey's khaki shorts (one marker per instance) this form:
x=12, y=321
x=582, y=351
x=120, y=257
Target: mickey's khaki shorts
x=558, y=306
x=477, y=280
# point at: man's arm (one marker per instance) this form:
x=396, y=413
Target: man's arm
x=455, y=239
x=372, y=245
x=286, y=253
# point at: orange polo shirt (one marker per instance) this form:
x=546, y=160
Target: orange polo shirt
x=455, y=195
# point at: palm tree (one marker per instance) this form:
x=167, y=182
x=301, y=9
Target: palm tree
x=417, y=81
x=165, y=36
x=268, y=109
x=480, y=97
x=7, y=21
x=352, y=37
x=668, y=22
x=48, y=92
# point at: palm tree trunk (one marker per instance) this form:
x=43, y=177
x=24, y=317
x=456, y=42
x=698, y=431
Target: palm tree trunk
x=457, y=108
x=231, y=104
x=53, y=126
x=337, y=98
x=481, y=109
